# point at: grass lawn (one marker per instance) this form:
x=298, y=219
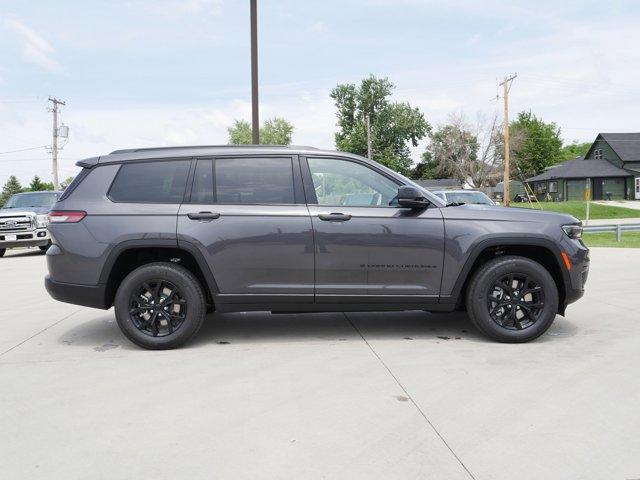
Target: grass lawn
x=579, y=209
x=608, y=239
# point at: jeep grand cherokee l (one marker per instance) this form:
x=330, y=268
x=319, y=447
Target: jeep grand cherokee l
x=166, y=234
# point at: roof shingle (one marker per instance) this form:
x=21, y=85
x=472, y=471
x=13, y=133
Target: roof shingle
x=626, y=145
x=581, y=168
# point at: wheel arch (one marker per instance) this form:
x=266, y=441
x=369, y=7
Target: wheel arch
x=540, y=249
x=129, y=255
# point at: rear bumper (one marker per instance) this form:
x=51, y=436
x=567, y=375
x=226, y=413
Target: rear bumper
x=86, y=295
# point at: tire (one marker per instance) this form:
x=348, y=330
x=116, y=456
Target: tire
x=512, y=299
x=44, y=248
x=180, y=296
x=2, y=252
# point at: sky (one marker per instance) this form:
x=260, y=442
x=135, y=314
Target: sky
x=137, y=73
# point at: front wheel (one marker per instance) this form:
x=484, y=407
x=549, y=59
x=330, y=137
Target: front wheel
x=2, y=250
x=160, y=306
x=512, y=299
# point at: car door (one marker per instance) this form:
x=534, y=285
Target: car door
x=367, y=248
x=247, y=217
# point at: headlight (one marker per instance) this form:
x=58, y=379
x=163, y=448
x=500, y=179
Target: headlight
x=573, y=231
x=42, y=221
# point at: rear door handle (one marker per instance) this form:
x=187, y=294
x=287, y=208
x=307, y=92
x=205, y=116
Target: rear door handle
x=203, y=215
x=334, y=217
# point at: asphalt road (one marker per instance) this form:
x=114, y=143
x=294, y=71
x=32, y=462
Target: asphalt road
x=336, y=396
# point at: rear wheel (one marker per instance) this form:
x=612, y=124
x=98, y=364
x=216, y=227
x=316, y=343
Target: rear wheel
x=160, y=306
x=512, y=299
x=2, y=250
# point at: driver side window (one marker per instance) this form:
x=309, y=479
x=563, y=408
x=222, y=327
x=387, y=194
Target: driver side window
x=341, y=182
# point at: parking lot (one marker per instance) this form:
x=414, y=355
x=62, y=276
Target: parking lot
x=383, y=395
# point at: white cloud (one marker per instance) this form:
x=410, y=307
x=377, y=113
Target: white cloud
x=319, y=27
x=188, y=7
x=35, y=49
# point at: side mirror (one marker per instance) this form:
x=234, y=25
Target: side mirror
x=411, y=197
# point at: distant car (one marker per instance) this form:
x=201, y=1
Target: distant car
x=23, y=220
x=521, y=198
x=464, y=196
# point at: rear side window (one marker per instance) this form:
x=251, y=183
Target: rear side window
x=151, y=182
x=253, y=181
x=202, y=190
x=75, y=182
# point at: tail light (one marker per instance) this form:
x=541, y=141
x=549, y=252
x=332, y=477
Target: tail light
x=64, y=216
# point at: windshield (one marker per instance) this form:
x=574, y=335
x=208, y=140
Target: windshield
x=468, y=197
x=26, y=200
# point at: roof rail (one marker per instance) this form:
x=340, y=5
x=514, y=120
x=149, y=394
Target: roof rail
x=185, y=147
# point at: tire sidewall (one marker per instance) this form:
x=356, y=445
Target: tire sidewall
x=189, y=288
x=485, y=281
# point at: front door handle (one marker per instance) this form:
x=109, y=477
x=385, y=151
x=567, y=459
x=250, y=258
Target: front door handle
x=334, y=217
x=203, y=215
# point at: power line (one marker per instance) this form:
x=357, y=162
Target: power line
x=23, y=149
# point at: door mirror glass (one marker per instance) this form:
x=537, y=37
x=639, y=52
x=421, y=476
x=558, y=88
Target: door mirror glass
x=411, y=197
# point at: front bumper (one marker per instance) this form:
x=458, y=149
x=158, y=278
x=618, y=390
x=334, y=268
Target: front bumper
x=86, y=295
x=31, y=238
x=577, y=276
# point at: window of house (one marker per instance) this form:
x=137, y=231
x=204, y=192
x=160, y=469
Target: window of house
x=541, y=188
x=151, y=182
x=597, y=154
x=553, y=187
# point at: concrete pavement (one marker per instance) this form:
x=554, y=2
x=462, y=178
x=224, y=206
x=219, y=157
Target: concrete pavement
x=381, y=395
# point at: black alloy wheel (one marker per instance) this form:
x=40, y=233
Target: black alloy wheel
x=512, y=299
x=160, y=305
x=515, y=301
x=157, y=308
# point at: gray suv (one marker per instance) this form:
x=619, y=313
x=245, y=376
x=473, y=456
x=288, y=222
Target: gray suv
x=167, y=234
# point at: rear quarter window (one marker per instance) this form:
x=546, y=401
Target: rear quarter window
x=151, y=182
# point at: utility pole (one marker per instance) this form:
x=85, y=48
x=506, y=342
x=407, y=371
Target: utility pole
x=369, y=152
x=506, y=84
x=255, y=122
x=54, y=146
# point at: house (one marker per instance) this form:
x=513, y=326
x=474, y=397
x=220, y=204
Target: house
x=440, y=184
x=611, y=169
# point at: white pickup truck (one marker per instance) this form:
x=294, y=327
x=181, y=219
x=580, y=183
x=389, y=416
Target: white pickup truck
x=23, y=220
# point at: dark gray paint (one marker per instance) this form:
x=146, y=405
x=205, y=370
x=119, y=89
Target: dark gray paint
x=284, y=257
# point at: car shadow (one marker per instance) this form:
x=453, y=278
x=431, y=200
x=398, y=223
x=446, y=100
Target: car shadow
x=102, y=333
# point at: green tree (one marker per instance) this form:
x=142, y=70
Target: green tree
x=275, y=131
x=394, y=125
x=535, y=144
x=67, y=181
x=574, y=149
x=10, y=188
x=38, y=185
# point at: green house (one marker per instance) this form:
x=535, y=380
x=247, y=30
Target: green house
x=611, y=169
